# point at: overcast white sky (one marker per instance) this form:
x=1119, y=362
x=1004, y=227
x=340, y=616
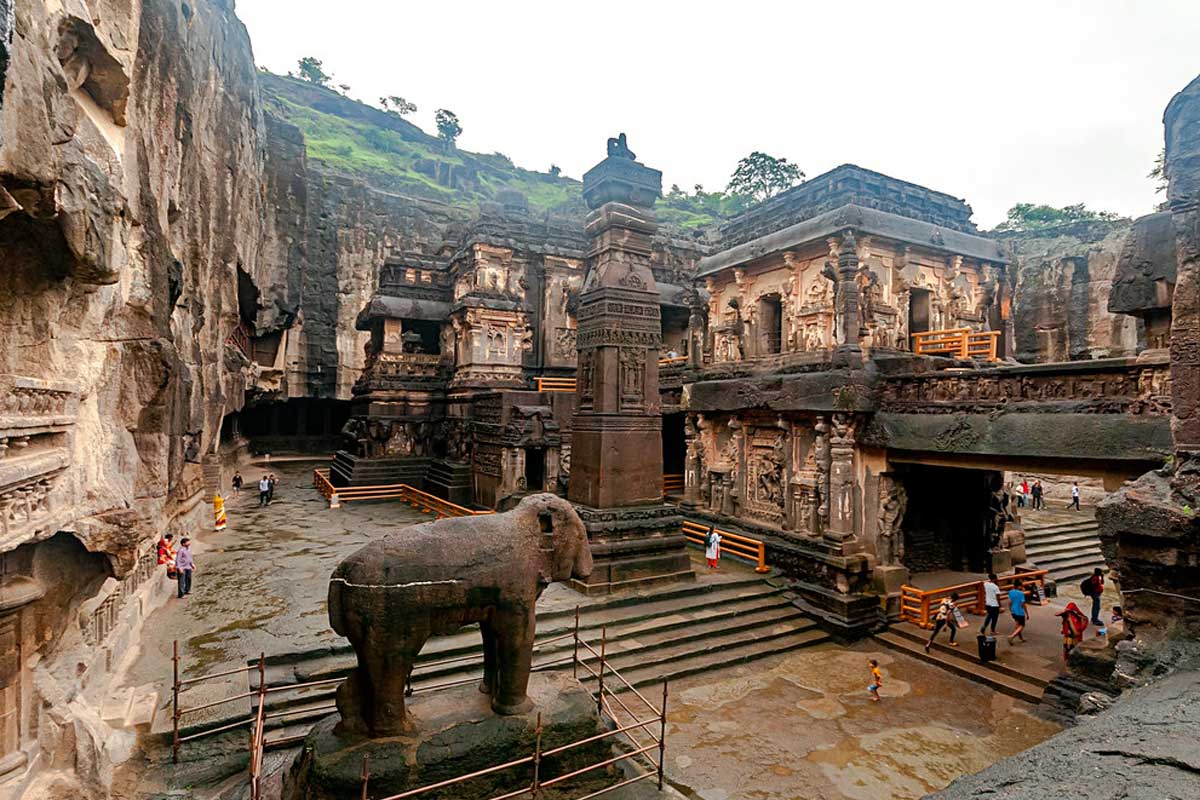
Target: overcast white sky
x=998, y=102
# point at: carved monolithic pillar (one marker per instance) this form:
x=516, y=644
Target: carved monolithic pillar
x=841, y=482
x=847, y=312
x=616, y=453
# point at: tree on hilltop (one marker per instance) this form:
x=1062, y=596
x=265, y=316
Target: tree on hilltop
x=310, y=69
x=448, y=127
x=1033, y=216
x=759, y=176
x=397, y=106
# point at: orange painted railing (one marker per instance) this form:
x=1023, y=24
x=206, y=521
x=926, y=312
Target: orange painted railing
x=240, y=338
x=416, y=498
x=666, y=362
x=731, y=543
x=672, y=483
x=957, y=342
x=919, y=606
x=556, y=384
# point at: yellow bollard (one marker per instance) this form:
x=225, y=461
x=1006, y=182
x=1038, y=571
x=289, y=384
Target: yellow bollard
x=218, y=512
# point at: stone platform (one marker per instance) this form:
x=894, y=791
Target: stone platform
x=455, y=732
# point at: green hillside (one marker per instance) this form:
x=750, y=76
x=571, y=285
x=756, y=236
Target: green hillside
x=384, y=150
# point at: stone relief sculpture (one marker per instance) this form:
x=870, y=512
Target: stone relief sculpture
x=389, y=597
x=893, y=502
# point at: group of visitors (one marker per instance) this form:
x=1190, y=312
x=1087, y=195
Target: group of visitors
x=266, y=487
x=178, y=561
x=1037, y=495
x=1074, y=622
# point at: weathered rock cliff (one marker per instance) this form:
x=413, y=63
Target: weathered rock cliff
x=1060, y=285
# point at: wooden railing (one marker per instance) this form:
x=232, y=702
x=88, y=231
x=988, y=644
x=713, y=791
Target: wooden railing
x=666, y=362
x=919, y=606
x=957, y=342
x=672, y=483
x=240, y=338
x=556, y=384
x=416, y=498
x=734, y=544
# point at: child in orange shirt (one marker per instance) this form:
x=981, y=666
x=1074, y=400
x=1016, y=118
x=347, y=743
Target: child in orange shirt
x=876, y=680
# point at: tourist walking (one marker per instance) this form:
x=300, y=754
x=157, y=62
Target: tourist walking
x=1016, y=607
x=1074, y=496
x=264, y=491
x=1074, y=623
x=1038, y=494
x=1093, y=587
x=712, y=547
x=184, y=566
x=1020, y=492
x=991, y=603
x=271, y=491
x=945, y=618
x=876, y=680
x=237, y=483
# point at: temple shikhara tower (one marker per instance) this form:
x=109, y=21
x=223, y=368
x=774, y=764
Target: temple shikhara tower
x=616, y=472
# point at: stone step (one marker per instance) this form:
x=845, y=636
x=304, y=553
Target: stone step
x=1071, y=562
x=658, y=652
x=667, y=599
x=1088, y=535
x=1021, y=689
x=1089, y=526
x=649, y=620
x=967, y=651
x=1085, y=546
x=142, y=706
x=701, y=659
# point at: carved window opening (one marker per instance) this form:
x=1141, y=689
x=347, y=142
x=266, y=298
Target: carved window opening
x=421, y=336
x=770, y=321
x=919, y=311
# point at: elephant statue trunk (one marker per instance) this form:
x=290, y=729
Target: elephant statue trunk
x=430, y=579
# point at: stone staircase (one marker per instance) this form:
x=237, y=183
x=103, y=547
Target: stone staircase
x=1070, y=549
x=964, y=662
x=348, y=469
x=669, y=633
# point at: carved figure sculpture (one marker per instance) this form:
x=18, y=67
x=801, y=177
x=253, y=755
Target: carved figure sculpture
x=893, y=502
x=389, y=597
x=618, y=147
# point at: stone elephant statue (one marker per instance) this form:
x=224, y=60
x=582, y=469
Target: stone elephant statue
x=389, y=597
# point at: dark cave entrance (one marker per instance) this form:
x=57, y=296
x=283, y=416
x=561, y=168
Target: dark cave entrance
x=300, y=425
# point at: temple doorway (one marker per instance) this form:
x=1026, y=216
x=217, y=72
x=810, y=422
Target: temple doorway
x=918, y=310
x=770, y=315
x=674, y=445
x=535, y=469
x=946, y=522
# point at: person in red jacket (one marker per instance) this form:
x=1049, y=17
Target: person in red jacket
x=166, y=553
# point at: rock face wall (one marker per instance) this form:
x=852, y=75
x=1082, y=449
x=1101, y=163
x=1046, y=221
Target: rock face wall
x=1068, y=269
x=1150, y=528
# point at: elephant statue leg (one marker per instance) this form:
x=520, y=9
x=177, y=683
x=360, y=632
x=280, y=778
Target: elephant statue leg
x=488, y=684
x=353, y=695
x=514, y=648
x=389, y=665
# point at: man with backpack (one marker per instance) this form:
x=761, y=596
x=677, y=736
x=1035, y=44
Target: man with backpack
x=1093, y=587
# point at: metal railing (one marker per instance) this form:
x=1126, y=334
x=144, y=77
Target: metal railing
x=957, y=342
x=919, y=606
x=605, y=698
x=735, y=544
x=416, y=498
x=582, y=657
x=556, y=384
x=240, y=338
x=672, y=483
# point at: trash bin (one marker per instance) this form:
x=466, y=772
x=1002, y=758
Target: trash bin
x=987, y=648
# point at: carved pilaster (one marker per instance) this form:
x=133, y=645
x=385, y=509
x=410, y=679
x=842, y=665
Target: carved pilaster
x=847, y=311
x=821, y=448
x=841, y=481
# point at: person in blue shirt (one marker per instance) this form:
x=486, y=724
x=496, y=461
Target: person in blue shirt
x=1016, y=607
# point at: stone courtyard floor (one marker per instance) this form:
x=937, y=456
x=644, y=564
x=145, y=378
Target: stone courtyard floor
x=797, y=725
